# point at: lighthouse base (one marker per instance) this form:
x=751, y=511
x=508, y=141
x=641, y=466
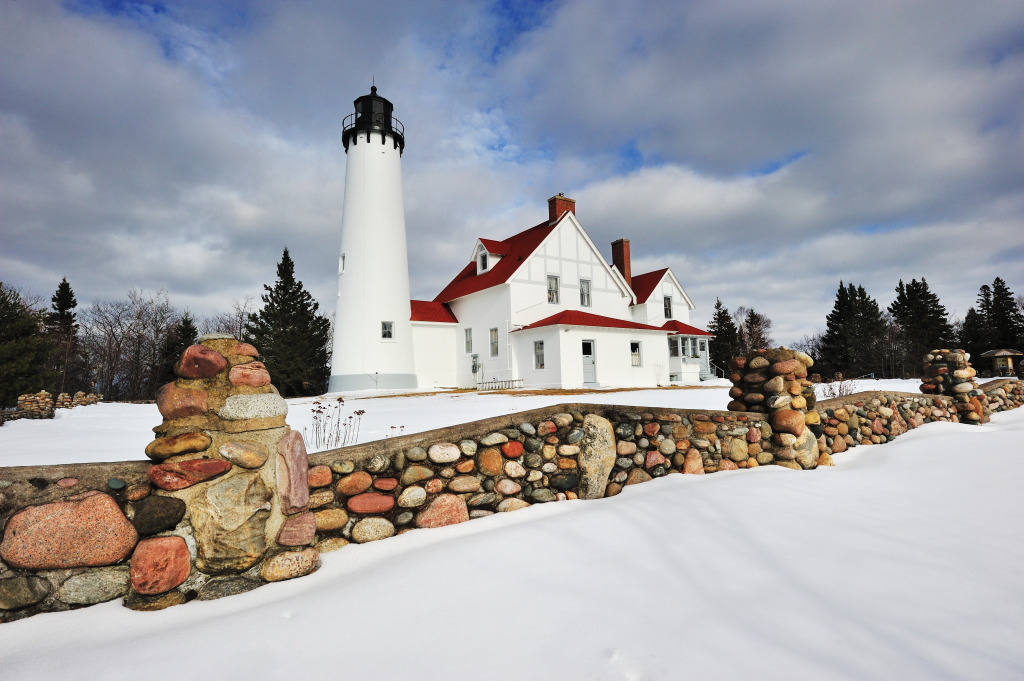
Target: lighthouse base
x=344, y=382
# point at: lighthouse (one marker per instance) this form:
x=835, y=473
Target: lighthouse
x=372, y=332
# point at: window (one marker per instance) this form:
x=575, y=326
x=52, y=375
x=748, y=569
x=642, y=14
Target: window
x=673, y=346
x=469, y=340
x=668, y=307
x=494, y=342
x=552, y=289
x=483, y=261
x=703, y=346
x=341, y=264
x=387, y=330
x=585, y=292
x=538, y=354
x=634, y=353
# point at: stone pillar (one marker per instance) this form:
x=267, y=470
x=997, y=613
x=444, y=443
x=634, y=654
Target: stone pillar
x=225, y=450
x=774, y=382
x=949, y=372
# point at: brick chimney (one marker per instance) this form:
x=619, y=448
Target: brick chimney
x=558, y=205
x=620, y=259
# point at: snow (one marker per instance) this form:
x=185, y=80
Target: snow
x=901, y=562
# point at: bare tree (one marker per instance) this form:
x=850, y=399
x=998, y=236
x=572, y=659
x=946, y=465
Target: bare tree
x=231, y=322
x=754, y=329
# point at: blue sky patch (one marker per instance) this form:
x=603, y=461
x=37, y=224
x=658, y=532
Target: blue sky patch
x=775, y=165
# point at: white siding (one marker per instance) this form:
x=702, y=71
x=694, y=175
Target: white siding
x=434, y=345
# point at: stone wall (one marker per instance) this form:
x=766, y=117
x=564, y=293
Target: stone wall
x=223, y=535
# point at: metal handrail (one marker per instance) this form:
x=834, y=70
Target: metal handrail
x=349, y=122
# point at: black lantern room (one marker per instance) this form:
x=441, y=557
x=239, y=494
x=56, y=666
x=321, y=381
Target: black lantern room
x=373, y=114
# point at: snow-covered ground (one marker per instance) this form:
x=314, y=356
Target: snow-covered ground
x=901, y=562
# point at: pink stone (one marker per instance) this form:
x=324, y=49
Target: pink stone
x=385, y=484
x=693, y=463
x=433, y=486
x=67, y=482
x=356, y=483
x=445, y=509
x=319, y=476
x=789, y=366
x=244, y=349
x=253, y=374
x=545, y=428
x=298, y=530
x=652, y=429
x=87, y=530
x=625, y=448
x=727, y=465
x=788, y=421
x=753, y=434
x=199, y=361
x=507, y=487
x=371, y=502
x=512, y=449
x=654, y=459
x=159, y=564
x=175, y=403
x=292, y=473
x=182, y=474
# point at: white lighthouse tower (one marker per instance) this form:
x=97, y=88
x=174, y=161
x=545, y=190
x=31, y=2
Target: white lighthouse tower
x=372, y=332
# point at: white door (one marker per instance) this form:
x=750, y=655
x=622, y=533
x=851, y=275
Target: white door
x=589, y=368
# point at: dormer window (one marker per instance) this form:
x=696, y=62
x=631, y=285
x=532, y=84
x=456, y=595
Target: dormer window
x=483, y=261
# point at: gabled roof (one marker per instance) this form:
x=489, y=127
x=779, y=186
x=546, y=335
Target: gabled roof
x=516, y=248
x=677, y=327
x=577, y=318
x=644, y=284
x=430, y=311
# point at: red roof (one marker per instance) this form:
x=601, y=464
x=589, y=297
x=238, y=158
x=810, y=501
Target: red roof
x=644, y=284
x=685, y=329
x=516, y=249
x=430, y=311
x=577, y=318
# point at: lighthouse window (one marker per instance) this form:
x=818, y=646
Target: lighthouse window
x=552, y=289
x=341, y=264
x=387, y=330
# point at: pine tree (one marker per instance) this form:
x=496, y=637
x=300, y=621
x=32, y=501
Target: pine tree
x=921, y=324
x=853, y=329
x=726, y=342
x=68, y=364
x=24, y=348
x=754, y=330
x=1005, y=320
x=974, y=333
x=291, y=335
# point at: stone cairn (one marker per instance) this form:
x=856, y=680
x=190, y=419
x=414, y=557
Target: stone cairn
x=949, y=372
x=66, y=401
x=37, y=406
x=774, y=382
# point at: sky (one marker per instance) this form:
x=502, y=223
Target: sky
x=763, y=150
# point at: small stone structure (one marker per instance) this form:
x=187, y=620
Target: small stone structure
x=949, y=372
x=774, y=381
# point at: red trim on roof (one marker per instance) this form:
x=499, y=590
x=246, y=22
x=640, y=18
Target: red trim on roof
x=678, y=327
x=577, y=318
x=644, y=284
x=429, y=311
x=517, y=248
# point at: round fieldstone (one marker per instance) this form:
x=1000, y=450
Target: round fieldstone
x=468, y=447
x=445, y=509
x=492, y=439
x=331, y=544
x=464, y=483
x=404, y=518
x=199, y=361
x=87, y=531
x=331, y=519
x=378, y=463
x=183, y=474
x=574, y=436
x=353, y=484
x=514, y=469
x=416, y=454
x=319, y=476
x=788, y=421
x=412, y=497
x=175, y=403
x=414, y=474
x=482, y=499
x=533, y=444
x=290, y=564
x=252, y=374
x=346, y=467
x=175, y=445
x=372, y=529
x=507, y=487
x=542, y=495
x=144, y=603
x=219, y=587
x=261, y=406
x=527, y=429
x=159, y=564
x=444, y=452
x=298, y=530
x=156, y=514
x=98, y=585
x=512, y=504
x=489, y=461
x=370, y=502
x=565, y=481
x=512, y=449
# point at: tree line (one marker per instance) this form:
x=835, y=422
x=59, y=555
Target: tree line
x=861, y=338
x=126, y=348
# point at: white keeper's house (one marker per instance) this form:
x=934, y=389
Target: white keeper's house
x=539, y=309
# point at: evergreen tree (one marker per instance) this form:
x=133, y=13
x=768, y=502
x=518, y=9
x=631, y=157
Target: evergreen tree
x=1005, y=320
x=974, y=334
x=179, y=337
x=24, y=348
x=754, y=330
x=853, y=329
x=726, y=343
x=68, y=364
x=291, y=335
x=920, y=324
